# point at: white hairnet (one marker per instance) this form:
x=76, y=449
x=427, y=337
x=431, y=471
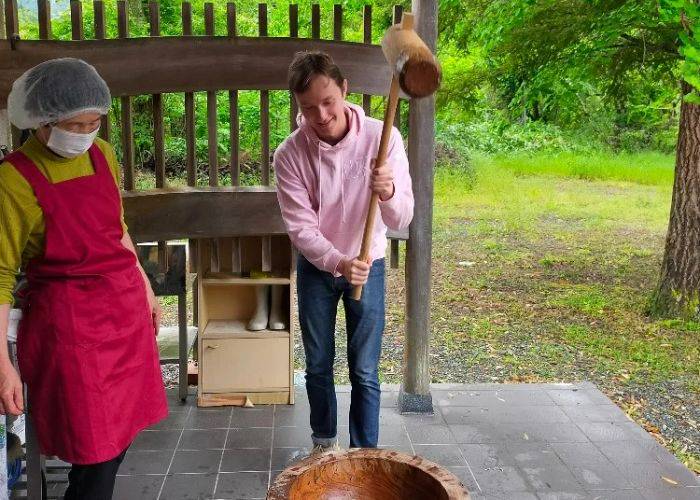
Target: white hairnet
x=56, y=90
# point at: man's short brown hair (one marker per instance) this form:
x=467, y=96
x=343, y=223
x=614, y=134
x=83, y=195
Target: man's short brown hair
x=307, y=65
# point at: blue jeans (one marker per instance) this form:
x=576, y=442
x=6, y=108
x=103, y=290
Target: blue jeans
x=319, y=293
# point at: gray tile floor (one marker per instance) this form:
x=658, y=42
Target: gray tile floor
x=513, y=442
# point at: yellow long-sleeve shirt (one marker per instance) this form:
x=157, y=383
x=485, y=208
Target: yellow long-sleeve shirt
x=21, y=218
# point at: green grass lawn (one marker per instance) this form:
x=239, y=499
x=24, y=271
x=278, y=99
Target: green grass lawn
x=543, y=266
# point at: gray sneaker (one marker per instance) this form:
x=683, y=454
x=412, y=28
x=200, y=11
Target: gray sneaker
x=319, y=448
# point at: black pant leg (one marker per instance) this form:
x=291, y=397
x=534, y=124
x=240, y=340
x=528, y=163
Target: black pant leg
x=93, y=481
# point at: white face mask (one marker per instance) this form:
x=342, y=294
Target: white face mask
x=70, y=144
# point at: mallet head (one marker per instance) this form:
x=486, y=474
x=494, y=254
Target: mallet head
x=411, y=60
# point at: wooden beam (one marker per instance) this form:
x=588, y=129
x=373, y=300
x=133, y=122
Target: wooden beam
x=207, y=212
x=185, y=64
x=415, y=395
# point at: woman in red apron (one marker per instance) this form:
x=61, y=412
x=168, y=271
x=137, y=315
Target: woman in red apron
x=87, y=342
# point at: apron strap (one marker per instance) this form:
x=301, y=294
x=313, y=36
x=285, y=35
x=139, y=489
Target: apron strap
x=99, y=162
x=28, y=169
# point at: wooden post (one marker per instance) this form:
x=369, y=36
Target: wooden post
x=264, y=108
x=415, y=390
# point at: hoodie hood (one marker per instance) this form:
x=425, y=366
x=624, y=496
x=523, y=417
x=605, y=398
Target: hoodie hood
x=355, y=117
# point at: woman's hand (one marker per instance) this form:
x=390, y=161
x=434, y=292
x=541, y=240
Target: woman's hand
x=156, y=311
x=11, y=397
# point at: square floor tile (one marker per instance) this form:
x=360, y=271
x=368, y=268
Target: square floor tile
x=137, y=487
x=251, y=417
x=246, y=461
x=249, y=438
x=486, y=456
x=442, y=454
x=146, y=462
x=242, y=485
x=199, y=462
x=430, y=434
x=207, y=439
x=189, y=487
x=546, y=479
x=500, y=479
x=284, y=457
x=600, y=476
x=174, y=421
x=292, y=437
x=209, y=418
x=156, y=440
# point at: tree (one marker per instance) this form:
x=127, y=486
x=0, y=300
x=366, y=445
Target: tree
x=551, y=60
x=678, y=293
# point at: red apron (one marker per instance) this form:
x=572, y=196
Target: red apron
x=86, y=344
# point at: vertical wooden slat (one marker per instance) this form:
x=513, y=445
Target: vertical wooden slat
x=3, y=36
x=293, y=33
x=76, y=19
x=191, y=161
x=127, y=129
x=98, y=8
x=316, y=21
x=266, y=254
x=234, y=129
x=337, y=22
x=212, y=124
x=235, y=140
x=44, y=13
x=265, y=141
x=264, y=108
x=158, y=134
x=11, y=18
x=394, y=251
x=367, y=28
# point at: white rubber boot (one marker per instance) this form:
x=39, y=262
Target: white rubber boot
x=277, y=319
x=262, y=309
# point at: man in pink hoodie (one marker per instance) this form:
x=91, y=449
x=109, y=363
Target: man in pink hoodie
x=325, y=176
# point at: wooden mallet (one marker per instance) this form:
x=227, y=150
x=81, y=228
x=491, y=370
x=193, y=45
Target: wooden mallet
x=415, y=71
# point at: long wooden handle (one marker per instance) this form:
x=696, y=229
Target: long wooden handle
x=389, y=114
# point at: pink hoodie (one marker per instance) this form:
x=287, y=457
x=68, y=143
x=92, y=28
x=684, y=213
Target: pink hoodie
x=323, y=190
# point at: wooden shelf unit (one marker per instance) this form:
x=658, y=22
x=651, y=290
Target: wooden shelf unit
x=236, y=364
